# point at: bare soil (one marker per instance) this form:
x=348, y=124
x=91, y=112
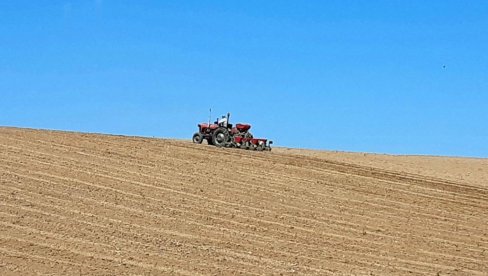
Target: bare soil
x=87, y=204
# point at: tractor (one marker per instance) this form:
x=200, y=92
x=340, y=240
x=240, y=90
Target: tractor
x=223, y=134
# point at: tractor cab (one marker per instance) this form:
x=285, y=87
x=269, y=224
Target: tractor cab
x=224, y=121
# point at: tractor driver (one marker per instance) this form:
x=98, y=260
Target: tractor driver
x=222, y=121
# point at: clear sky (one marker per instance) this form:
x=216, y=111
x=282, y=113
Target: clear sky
x=402, y=77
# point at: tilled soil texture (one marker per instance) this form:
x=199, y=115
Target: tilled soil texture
x=86, y=204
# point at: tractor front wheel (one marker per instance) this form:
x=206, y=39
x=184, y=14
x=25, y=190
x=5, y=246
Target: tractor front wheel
x=197, y=138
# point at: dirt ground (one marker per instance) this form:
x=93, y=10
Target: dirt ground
x=86, y=204
x=473, y=171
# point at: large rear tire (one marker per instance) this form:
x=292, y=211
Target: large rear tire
x=221, y=137
x=197, y=138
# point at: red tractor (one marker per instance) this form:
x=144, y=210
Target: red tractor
x=223, y=134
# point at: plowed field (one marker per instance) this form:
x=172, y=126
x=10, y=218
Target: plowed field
x=85, y=204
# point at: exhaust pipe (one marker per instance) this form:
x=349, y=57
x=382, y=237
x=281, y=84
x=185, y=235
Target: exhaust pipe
x=210, y=117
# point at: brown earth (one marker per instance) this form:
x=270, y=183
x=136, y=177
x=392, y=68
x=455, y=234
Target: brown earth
x=473, y=171
x=85, y=204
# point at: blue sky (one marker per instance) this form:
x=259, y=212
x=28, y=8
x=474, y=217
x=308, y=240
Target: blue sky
x=401, y=77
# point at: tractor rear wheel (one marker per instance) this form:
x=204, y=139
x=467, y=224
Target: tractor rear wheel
x=197, y=138
x=220, y=137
